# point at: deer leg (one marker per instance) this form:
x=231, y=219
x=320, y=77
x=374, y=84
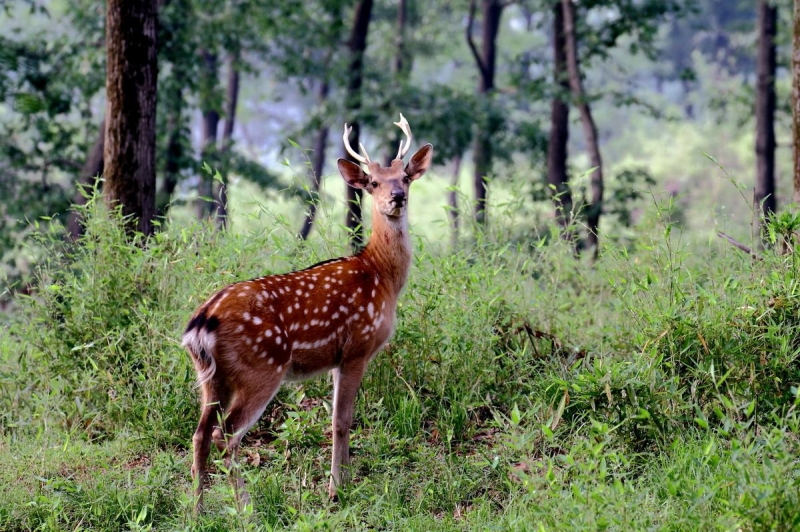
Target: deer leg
x=244, y=412
x=201, y=442
x=346, y=381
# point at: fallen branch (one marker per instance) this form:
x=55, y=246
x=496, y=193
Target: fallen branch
x=739, y=245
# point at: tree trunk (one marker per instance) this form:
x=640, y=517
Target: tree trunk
x=358, y=46
x=92, y=169
x=130, y=139
x=173, y=157
x=491, y=11
x=796, y=99
x=452, y=201
x=595, y=207
x=317, y=166
x=205, y=208
x=231, y=102
x=557, y=177
x=402, y=72
x=765, y=110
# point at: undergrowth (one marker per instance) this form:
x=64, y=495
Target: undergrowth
x=523, y=389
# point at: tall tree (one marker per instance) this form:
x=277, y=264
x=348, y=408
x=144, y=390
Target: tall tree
x=595, y=207
x=130, y=139
x=210, y=104
x=557, y=177
x=317, y=163
x=765, y=109
x=358, y=46
x=91, y=170
x=485, y=59
x=231, y=103
x=796, y=99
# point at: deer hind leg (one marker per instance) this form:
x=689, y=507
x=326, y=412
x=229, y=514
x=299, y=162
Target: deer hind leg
x=246, y=408
x=211, y=408
x=346, y=381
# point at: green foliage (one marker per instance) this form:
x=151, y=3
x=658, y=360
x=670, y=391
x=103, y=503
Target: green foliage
x=521, y=389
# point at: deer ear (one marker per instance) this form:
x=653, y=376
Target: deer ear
x=419, y=162
x=352, y=173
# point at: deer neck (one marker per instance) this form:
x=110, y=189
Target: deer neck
x=389, y=248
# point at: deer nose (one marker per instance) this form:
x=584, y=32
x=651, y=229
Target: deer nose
x=398, y=196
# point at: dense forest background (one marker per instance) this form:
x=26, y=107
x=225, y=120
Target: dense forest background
x=256, y=94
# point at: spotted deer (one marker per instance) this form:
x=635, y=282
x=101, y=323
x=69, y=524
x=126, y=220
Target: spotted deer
x=335, y=316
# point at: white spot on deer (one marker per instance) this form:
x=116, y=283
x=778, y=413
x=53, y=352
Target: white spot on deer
x=239, y=328
x=278, y=340
x=280, y=368
x=327, y=278
x=373, y=292
x=376, y=280
x=305, y=327
x=248, y=341
x=383, y=305
x=255, y=348
x=298, y=292
x=343, y=309
x=358, y=290
x=259, y=321
x=371, y=309
x=277, y=329
x=302, y=283
x=325, y=308
x=314, y=322
x=268, y=333
x=316, y=310
x=334, y=315
x=246, y=316
x=294, y=326
x=297, y=305
x=306, y=294
x=367, y=329
x=311, y=286
x=266, y=294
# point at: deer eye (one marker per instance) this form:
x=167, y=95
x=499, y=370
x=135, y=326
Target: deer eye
x=374, y=184
x=406, y=179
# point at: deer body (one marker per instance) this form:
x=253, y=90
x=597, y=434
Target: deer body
x=335, y=316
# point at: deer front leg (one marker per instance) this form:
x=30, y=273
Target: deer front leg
x=346, y=381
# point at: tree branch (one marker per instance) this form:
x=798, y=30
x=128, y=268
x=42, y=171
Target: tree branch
x=471, y=43
x=739, y=245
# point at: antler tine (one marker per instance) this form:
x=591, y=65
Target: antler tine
x=403, y=125
x=363, y=159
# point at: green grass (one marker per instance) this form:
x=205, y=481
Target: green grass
x=523, y=389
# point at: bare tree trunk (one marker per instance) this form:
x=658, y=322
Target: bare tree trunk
x=452, y=201
x=172, y=162
x=317, y=166
x=130, y=139
x=595, y=208
x=231, y=102
x=796, y=99
x=358, y=46
x=92, y=169
x=491, y=11
x=765, y=110
x=209, y=143
x=402, y=71
x=557, y=176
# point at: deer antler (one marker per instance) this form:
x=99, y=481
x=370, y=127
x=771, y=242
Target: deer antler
x=364, y=159
x=403, y=125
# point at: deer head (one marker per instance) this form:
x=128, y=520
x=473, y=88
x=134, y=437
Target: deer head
x=388, y=186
